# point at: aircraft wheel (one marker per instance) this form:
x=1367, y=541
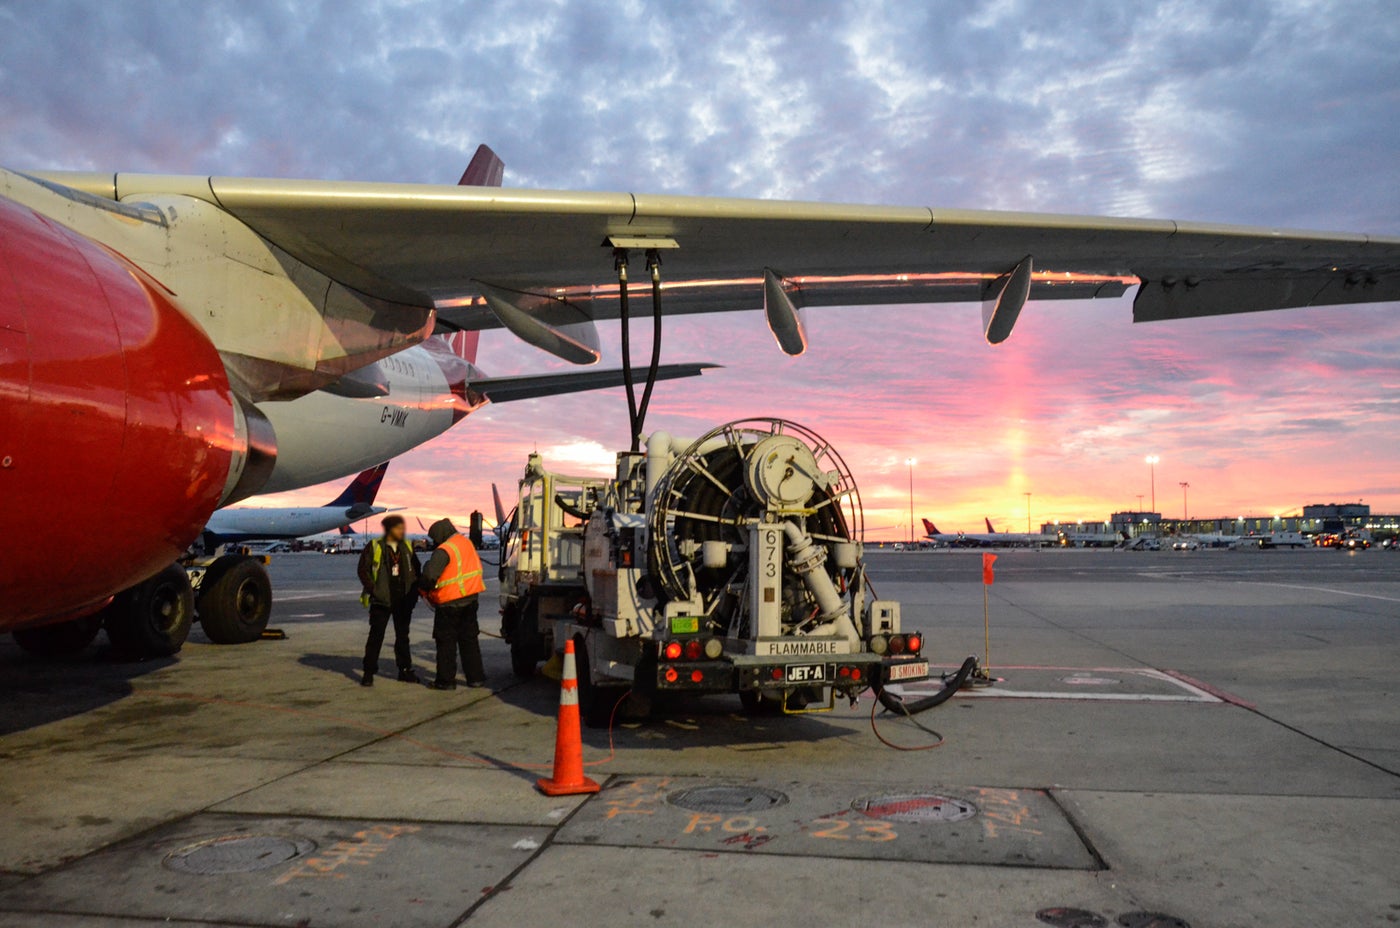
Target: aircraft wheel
x=235, y=600
x=152, y=619
x=62, y=640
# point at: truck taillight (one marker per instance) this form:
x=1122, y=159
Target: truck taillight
x=673, y=651
x=694, y=649
x=671, y=675
x=696, y=676
x=897, y=644
x=776, y=673
x=915, y=642
x=714, y=649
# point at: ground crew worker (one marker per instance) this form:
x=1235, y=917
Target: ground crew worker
x=452, y=581
x=389, y=572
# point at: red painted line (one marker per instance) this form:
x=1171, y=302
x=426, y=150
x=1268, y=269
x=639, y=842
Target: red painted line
x=1212, y=690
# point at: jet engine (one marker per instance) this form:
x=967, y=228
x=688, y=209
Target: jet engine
x=119, y=432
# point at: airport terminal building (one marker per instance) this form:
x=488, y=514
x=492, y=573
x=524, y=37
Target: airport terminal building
x=1312, y=519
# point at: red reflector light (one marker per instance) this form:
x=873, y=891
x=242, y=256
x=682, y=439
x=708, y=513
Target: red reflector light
x=696, y=676
x=844, y=672
x=776, y=673
x=855, y=673
x=671, y=675
x=694, y=649
x=673, y=651
x=897, y=644
x=915, y=643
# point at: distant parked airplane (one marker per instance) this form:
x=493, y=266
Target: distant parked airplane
x=250, y=523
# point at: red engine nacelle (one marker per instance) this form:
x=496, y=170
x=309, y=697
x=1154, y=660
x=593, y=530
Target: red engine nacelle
x=118, y=430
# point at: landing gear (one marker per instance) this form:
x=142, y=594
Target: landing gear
x=152, y=619
x=235, y=600
x=62, y=640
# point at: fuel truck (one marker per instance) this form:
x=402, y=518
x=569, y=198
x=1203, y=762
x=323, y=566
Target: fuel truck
x=731, y=563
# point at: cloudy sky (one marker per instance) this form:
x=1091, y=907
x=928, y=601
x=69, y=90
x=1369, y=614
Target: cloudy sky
x=1270, y=113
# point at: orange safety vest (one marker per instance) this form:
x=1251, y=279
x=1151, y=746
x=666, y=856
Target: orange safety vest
x=462, y=575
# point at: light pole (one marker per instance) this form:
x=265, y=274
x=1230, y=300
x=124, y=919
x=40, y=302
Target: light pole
x=1185, y=509
x=1028, y=512
x=911, y=462
x=1152, y=461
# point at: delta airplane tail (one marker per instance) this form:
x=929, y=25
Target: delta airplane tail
x=362, y=490
x=929, y=527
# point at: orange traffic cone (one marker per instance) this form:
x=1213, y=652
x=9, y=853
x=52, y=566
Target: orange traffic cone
x=568, y=779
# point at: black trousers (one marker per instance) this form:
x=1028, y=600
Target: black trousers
x=379, y=617
x=455, y=630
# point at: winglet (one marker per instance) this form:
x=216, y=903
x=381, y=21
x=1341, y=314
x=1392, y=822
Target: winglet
x=363, y=489
x=485, y=170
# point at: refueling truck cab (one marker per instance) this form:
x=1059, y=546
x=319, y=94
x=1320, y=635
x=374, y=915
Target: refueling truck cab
x=727, y=564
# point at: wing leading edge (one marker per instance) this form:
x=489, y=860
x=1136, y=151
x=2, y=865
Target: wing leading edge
x=420, y=243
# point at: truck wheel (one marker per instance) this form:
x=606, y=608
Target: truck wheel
x=62, y=640
x=235, y=600
x=595, y=703
x=524, y=640
x=152, y=619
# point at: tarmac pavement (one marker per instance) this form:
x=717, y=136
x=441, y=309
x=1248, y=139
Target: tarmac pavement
x=1211, y=737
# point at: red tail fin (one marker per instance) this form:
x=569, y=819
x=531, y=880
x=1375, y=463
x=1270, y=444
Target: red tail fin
x=463, y=344
x=990, y=530
x=930, y=527
x=485, y=169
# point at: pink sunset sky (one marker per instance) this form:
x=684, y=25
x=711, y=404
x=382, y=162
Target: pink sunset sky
x=1280, y=114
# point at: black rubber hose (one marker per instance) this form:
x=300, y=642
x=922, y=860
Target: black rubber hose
x=951, y=686
x=625, y=315
x=655, y=345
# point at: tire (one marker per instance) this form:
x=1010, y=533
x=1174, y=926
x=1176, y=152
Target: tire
x=524, y=640
x=62, y=640
x=595, y=703
x=235, y=600
x=152, y=619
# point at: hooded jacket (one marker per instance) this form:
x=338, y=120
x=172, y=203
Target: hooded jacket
x=439, y=531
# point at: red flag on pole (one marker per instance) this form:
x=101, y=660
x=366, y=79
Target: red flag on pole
x=988, y=575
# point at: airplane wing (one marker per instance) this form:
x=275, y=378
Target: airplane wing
x=480, y=252
x=532, y=386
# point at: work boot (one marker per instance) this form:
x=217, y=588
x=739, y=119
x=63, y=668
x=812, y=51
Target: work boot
x=444, y=684
x=408, y=676
x=367, y=680
x=475, y=684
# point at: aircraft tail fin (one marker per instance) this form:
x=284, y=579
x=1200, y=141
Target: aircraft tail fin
x=485, y=170
x=930, y=527
x=363, y=489
x=990, y=530
x=500, y=509
x=463, y=344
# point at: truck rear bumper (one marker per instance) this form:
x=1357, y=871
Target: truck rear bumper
x=736, y=673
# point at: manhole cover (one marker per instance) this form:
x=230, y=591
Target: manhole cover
x=1150, y=920
x=237, y=854
x=1087, y=679
x=1071, y=918
x=916, y=807
x=727, y=798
